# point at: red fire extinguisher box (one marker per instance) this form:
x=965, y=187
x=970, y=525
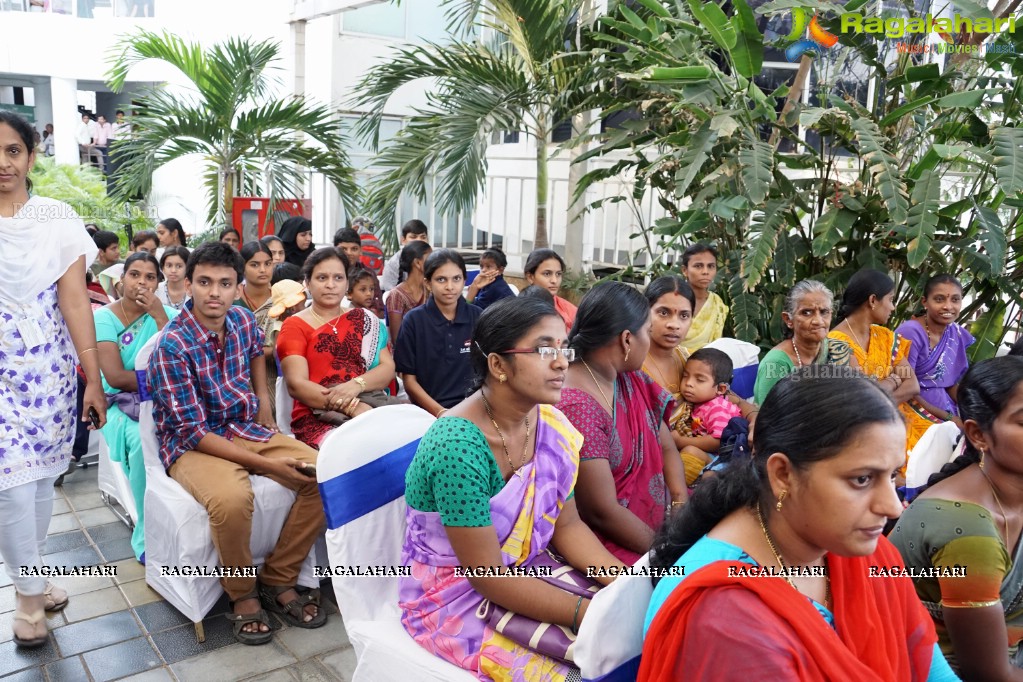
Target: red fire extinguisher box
x=250, y=215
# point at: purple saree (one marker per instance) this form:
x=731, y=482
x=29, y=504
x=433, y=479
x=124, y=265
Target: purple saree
x=439, y=608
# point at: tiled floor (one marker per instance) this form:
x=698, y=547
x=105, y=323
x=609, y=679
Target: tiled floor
x=118, y=628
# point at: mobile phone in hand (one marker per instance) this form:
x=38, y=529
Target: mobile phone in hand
x=94, y=417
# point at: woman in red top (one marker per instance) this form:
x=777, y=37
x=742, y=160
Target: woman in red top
x=545, y=268
x=329, y=357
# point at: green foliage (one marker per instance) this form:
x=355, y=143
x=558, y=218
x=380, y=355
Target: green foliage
x=926, y=177
x=251, y=143
x=85, y=189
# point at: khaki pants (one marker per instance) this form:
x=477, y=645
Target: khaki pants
x=223, y=488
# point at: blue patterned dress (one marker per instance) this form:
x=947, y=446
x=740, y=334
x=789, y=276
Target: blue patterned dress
x=37, y=386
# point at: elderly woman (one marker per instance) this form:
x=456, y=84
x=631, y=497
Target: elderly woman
x=122, y=328
x=631, y=473
x=780, y=553
x=807, y=319
x=336, y=364
x=963, y=520
x=491, y=486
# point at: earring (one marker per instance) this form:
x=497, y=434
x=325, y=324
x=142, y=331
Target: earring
x=981, y=464
x=781, y=498
x=627, y=351
x=503, y=378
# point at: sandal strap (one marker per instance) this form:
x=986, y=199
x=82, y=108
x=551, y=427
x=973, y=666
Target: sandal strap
x=31, y=619
x=246, y=618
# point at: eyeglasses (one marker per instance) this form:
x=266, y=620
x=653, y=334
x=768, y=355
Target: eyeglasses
x=549, y=353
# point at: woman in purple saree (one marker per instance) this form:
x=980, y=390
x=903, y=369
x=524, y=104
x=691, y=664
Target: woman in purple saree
x=490, y=487
x=937, y=353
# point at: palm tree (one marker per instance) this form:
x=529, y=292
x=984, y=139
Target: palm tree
x=516, y=80
x=251, y=142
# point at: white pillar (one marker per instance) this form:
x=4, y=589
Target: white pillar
x=64, y=100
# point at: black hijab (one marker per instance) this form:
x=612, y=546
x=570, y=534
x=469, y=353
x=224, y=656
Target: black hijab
x=291, y=228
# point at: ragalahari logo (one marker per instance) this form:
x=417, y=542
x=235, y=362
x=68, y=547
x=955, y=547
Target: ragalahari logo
x=818, y=41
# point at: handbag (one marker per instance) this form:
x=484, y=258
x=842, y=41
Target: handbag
x=549, y=639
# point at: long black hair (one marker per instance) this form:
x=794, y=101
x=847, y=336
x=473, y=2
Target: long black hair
x=148, y=258
x=536, y=258
x=861, y=287
x=410, y=253
x=319, y=256
x=500, y=328
x=605, y=312
x=439, y=257
x=983, y=394
x=173, y=225
x=250, y=249
x=844, y=404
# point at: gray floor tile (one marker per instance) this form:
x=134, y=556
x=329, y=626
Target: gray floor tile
x=63, y=542
x=80, y=500
x=160, y=616
x=138, y=592
x=108, y=531
x=5, y=579
x=30, y=675
x=13, y=658
x=7, y=598
x=115, y=550
x=97, y=517
x=128, y=570
x=80, y=556
x=98, y=603
x=279, y=675
x=235, y=662
x=341, y=663
x=313, y=671
x=151, y=675
x=62, y=523
x=179, y=643
x=119, y=660
x=96, y=633
x=308, y=643
x=60, y=505
x=66, y=670
x=81, y=584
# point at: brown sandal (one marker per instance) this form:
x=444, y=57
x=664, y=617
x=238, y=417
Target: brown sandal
x=33, y=620
x=51, y=602
x=294, y=611
x=240, y=620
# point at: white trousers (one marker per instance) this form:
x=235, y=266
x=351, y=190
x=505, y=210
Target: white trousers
x=24, y=519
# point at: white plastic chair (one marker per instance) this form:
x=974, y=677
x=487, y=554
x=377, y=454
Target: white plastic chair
x=936, y=448
x=745, y=361
x=620, y=608
x=361, y=470
x=178, y=527
x=284, y=405
x=113, y=485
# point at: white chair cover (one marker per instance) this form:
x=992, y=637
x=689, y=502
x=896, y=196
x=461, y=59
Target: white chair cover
x=745, y=361
x=113, y=483
x=936, y=448
x=284, y=405
x=611, y=636
x=361, y=470
x=178, y=528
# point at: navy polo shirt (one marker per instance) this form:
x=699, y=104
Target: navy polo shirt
x=436, y=350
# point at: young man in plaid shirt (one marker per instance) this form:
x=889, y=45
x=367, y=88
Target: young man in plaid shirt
x=215, y=430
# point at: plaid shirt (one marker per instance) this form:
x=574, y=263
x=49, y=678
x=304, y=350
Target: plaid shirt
x=199, y=386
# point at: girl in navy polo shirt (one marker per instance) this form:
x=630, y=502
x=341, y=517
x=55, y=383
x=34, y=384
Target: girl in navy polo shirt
x=432, y=349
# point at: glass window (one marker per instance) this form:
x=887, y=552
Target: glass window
x=425, y=20
x=382, y=19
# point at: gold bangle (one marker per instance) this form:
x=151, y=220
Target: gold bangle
x=440, y=412
x=361, y=382
x=86, y=351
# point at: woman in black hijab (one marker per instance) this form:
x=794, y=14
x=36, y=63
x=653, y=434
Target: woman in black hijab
x=297, y=235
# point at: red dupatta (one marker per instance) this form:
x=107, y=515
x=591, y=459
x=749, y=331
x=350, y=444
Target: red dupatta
x=882, y=631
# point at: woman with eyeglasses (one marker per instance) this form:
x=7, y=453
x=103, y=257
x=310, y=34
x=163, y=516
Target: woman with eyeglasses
x=490, y=486
x=433, y=345
x=631, y=473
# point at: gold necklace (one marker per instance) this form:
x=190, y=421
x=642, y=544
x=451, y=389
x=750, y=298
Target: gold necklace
x=525, y=444
x=1005, y=519
x=610, y=406
x=674, y=365
x=927, y=328
x=855, y=337
x=781, y=562
x=325, y=322
x=796, y=349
